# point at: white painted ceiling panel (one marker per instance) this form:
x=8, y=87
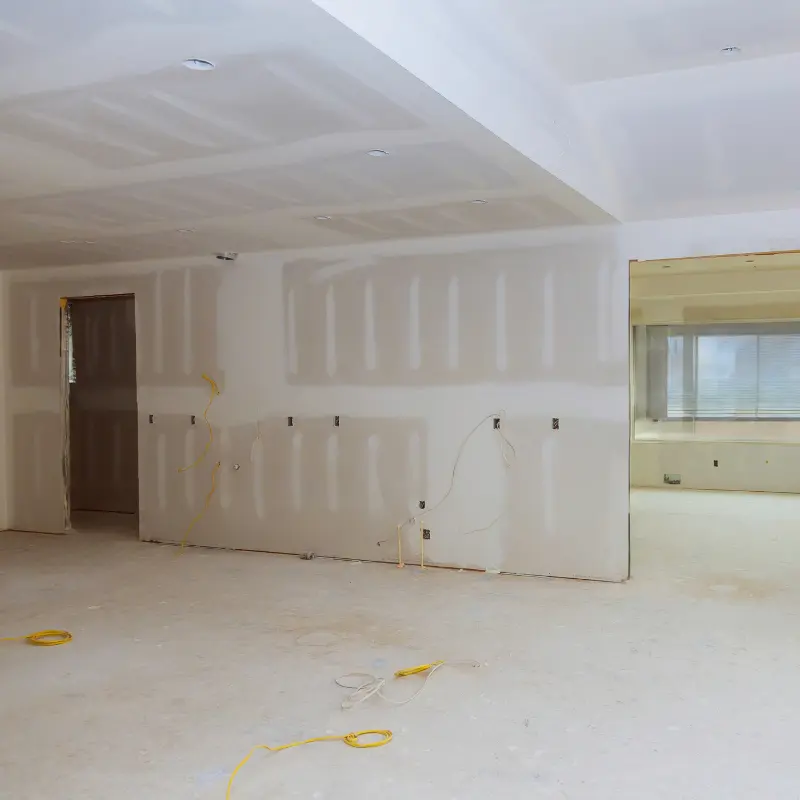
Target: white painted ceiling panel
x=587, y=40
x=109, y=146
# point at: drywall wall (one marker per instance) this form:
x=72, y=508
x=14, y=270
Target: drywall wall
x=750, y=456
x=412, y=345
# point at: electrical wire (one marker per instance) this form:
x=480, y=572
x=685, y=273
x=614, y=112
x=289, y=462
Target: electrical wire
x=509, y=455
x=214, y=393
x=42, y=638
x=203, y=510
x=366, y=685
x=350, y=739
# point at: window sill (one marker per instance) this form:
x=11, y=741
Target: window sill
x=763, y=432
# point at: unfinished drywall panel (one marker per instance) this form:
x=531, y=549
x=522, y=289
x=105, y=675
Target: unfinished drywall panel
x=454, y=318
x=309, y=487
x=37, y=487
x=560, y=474
x=175, y=313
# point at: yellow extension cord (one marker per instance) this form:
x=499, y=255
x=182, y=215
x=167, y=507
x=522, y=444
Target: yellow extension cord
x=42, y=638
x=214, y=392
x=351, y=739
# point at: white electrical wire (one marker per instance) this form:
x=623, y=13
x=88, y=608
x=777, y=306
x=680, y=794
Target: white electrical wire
x=366, y=685
x=509, y=456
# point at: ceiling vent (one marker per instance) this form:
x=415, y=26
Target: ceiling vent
x=227, y=256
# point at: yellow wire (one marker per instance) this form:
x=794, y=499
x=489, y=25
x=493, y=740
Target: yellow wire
x=205, y=505
x=351, y=739
x=214, y=393
x=42, y=638
x=404, y=673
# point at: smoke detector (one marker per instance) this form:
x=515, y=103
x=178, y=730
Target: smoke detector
x=227, y=256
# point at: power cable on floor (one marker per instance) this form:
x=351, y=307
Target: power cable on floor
x=350, y=739
x=42, y=638
x=366, y=685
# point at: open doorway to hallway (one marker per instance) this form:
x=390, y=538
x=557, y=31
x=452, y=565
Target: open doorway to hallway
x=101, y=467
x=715, y=422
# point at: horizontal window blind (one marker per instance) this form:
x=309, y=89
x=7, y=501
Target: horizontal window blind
x=733, y=371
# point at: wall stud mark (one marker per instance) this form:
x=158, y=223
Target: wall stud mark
x=556, y=423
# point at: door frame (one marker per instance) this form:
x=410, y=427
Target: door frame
x=66, y=369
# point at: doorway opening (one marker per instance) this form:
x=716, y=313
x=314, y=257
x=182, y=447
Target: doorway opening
x=100, y=409
x=715, y=421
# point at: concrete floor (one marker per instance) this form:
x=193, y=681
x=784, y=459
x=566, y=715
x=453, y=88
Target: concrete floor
x=682, y=683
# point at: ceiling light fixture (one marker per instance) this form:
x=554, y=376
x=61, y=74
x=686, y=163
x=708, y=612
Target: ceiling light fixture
x=186, y=230
x=199, y=64
x=731, y=51
x=78, y=241
x=322, y=217
x=377, y=153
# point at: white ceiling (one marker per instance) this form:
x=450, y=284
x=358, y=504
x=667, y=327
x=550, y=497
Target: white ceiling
x=587, y=40
x=109, y=146
x=558, y=112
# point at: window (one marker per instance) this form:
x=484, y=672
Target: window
x=747, y=371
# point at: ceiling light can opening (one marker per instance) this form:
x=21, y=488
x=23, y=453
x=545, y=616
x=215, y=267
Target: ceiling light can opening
x=479, y=202
x=377, y=153
x=199, y=64
x=322, y=217
x=731, y=50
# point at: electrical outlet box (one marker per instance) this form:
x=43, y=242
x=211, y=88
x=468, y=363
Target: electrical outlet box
x=497, y=423
x=422, y=504
x=556, y=423
x=716, y=462
x=290, y=420
x=336, y=421
x=426, y=534
x=672, y=479
x=194, y=419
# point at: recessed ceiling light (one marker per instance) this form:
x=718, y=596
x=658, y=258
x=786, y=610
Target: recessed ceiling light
x=322, y=217
x=730, y=51
x=666, y=266
x=199, y=64
x=69, y=241
x=78, y=241
x=479, y=202
x=186, y=230
x=377, y=153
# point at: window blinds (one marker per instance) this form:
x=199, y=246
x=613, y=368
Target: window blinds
x=733, y=371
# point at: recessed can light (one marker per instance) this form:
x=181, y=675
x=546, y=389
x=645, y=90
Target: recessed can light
x=185, y=230
x=732, y=50
x=199, y=64
x=377, y=153
x=479, y=202
x=322, y=217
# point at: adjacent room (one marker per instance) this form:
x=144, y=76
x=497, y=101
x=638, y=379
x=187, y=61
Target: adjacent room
x=377, y=418
x=716, y=420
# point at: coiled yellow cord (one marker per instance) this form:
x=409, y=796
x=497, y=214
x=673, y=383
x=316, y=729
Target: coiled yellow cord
x=351, y=739
x=214, y=393
x=42, y=638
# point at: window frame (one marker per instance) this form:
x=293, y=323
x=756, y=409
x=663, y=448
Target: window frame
x=651, y=390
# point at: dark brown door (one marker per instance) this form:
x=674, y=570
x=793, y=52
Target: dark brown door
x=104, y=470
